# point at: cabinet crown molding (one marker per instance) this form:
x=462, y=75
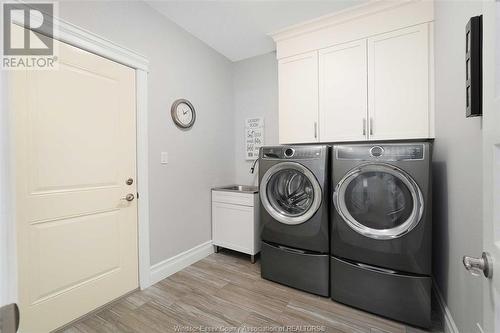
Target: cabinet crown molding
x=343, y=16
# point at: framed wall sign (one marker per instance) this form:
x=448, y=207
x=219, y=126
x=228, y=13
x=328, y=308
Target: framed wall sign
x=474, y=67
x=254, y=137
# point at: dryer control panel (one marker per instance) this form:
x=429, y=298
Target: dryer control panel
x=381, y=152
x=293, y=152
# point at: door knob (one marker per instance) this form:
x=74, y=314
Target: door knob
x=476, y=266
x=129, y=197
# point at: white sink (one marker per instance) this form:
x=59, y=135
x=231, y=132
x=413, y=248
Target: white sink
x=238, y=188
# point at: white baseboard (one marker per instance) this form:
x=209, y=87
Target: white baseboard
x=167, y=267
x=449, y=325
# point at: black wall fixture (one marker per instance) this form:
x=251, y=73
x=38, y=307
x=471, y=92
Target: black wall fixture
x=474, y=66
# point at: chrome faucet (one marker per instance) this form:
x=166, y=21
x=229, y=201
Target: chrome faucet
x=252, y=169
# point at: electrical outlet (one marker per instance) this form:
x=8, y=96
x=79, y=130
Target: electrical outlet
x=164, y=157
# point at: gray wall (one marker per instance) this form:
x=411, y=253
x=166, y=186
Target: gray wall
x=180, y=66
x=255, y=95
x=457, y=169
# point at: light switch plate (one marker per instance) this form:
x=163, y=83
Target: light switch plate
x=164, y=157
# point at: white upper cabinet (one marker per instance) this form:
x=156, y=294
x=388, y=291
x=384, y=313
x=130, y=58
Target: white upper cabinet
x=398, y=86
x=298, y=98
x=361, y=74
x=343, y=112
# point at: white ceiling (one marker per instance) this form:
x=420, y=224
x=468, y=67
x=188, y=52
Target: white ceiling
x=238, y=29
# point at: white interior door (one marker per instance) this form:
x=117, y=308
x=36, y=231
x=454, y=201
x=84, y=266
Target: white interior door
x=298, y=98
x=343, y=92
x=75, y=148
x=398, y=84
x=491, y=161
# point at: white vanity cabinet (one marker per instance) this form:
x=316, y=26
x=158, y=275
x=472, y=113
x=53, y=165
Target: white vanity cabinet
x=235, y=221
x=363, y=75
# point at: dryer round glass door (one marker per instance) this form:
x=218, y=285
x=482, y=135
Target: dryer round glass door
x=290, y=193
x=379, y=201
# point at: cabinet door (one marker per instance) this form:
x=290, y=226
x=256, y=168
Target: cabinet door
x=298, y=98
x=343, y=92
x=398, y=84
x=233, y=227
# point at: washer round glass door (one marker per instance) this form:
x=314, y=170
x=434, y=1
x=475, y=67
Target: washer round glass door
x=290, y=193
x=379, y=201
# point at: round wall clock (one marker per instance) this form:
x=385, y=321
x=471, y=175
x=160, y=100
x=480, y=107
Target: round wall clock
x=183, y=113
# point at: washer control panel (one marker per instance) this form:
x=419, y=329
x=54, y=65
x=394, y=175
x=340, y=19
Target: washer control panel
x=382, y=152
x=292, y=153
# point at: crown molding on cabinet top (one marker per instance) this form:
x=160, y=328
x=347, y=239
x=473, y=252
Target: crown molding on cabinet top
x=352, y=13
x=366, y=20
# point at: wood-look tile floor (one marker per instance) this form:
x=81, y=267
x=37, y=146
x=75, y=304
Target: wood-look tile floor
x=223, y=292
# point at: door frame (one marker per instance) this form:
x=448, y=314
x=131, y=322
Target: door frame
x=8, y=272
x=490, y=137
x=93, y=43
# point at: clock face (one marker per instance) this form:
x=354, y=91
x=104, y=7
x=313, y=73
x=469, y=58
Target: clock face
x=183, y=113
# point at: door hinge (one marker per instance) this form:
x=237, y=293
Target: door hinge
x=137, y=195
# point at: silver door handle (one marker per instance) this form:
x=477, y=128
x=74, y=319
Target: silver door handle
x=315, y=130
x=476, y=266
x=364, y=126
x=129, y=197
x=371, y=126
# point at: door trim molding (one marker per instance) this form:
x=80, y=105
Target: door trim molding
x=93, y=43
x=88, y=41
x=8, y=246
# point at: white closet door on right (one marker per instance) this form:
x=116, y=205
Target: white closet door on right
x=398, y=84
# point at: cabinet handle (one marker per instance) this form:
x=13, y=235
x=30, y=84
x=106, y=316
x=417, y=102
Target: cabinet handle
x=364, y=126
x=315, y=130
x=371, y=126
